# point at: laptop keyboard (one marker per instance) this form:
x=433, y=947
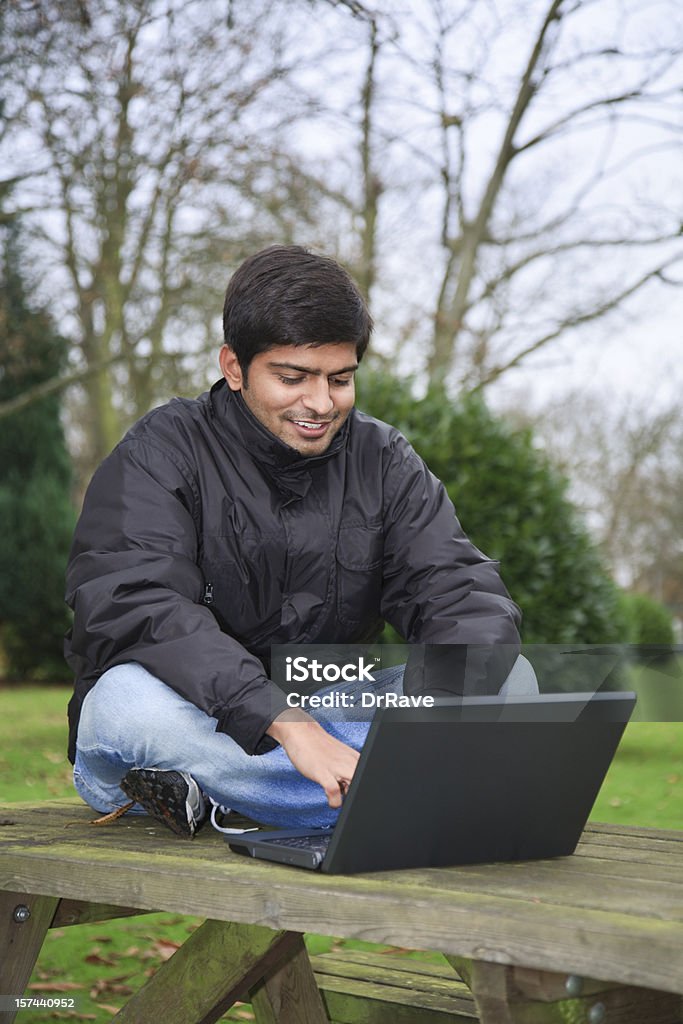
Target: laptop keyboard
x=316, y=844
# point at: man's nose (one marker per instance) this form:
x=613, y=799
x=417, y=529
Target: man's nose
x=318, y=397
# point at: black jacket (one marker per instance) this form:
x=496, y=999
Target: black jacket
x=204, y=539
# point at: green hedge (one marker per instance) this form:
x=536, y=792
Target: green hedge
x=36, y=513
x=513, y=505
x=647, y=621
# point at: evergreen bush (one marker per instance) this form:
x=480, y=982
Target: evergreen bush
x=513, y=505
x=36, y=514
x=647, y=621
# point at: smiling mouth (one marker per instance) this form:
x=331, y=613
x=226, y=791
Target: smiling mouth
x=313, y=427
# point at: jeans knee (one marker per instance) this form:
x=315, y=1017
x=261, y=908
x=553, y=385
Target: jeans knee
x=112, y=708
x=522, y=680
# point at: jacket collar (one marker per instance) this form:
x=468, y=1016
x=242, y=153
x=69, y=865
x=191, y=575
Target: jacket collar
x=286, y=466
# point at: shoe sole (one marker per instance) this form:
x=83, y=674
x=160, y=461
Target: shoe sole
x=155, y=792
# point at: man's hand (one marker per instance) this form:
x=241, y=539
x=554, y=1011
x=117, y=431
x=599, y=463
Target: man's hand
x=316, y=754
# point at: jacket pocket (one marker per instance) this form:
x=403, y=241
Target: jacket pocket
x=243, y=592
x=359, y=572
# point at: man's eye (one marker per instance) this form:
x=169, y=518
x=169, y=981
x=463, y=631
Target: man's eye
x=290, y=380
x=341, y=382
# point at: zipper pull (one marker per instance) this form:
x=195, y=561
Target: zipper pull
x=208, y=594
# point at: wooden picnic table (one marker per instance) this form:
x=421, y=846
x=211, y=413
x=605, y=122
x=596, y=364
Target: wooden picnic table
x=604, y=926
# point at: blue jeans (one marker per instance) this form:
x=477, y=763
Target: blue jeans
x=130, y=719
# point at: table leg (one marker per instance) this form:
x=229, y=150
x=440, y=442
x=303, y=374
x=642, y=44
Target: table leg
x=24, y=921
x=519, y=995
x=217, y=965
x=290, y=994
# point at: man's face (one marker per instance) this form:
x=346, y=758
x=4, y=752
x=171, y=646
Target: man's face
x=302, y=394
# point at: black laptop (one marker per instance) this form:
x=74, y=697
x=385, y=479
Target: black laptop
x=473, y=779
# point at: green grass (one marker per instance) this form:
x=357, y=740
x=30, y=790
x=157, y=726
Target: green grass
x=644, y=785
x=106, y=962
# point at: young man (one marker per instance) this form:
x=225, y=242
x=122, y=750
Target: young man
x=268, y=511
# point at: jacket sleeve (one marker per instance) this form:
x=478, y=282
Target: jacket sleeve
x=136, y=590
x=439, y=589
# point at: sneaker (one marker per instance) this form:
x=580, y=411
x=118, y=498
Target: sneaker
x=172, y=797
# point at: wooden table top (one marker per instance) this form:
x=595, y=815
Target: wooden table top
x=613, y=911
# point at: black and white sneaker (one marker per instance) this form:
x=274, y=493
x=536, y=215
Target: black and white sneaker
x=172, y=797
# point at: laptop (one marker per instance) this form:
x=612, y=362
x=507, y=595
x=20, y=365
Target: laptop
x=474, y=779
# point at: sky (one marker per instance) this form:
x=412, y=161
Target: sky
x=636, y=351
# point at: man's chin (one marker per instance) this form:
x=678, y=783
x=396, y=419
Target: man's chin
x=308, y=442
x=311, y=447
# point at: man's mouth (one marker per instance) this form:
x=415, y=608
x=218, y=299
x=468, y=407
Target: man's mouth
x=311, y=428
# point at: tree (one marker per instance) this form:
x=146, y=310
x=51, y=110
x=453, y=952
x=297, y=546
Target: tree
x=551, y=172
x=513, y=505
x=624, y=463
x=152, y=163
x=36, y=515
x=498, y=176
x=525, y=162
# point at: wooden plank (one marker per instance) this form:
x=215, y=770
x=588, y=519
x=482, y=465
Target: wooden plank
x=289, y=995
x=624, y=867
x=24, y=921
x=360, y=987
x=138, y=835
x=396, y=962
x=569, y=883
x=215, y=966
x=658, y=845
x=60, y=820
x=349, y=1001
x=391, y=971
x=619, y=848
x=642, y=831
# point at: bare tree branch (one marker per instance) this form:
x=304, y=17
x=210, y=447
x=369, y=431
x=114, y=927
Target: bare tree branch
x=448, y=321
x=570, y=322
x=53, y=386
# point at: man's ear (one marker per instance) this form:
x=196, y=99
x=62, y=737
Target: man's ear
x=231, y=368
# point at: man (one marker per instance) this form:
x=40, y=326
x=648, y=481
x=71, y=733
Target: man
x=268, y=511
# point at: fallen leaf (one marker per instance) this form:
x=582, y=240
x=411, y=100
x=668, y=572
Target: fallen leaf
x=55, y=986
x=118, y=990
x=165, y=948
x=95, y=958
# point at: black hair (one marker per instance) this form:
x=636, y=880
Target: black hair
x=286, y=295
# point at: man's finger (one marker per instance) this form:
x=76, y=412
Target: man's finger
x=334, y=793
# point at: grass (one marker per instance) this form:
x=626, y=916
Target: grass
x=100, y=965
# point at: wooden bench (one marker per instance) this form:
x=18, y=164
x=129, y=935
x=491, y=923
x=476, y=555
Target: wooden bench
x=597, y=936
x=360, y=987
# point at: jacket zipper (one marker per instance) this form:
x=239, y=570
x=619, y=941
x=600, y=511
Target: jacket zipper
x=208, y=594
